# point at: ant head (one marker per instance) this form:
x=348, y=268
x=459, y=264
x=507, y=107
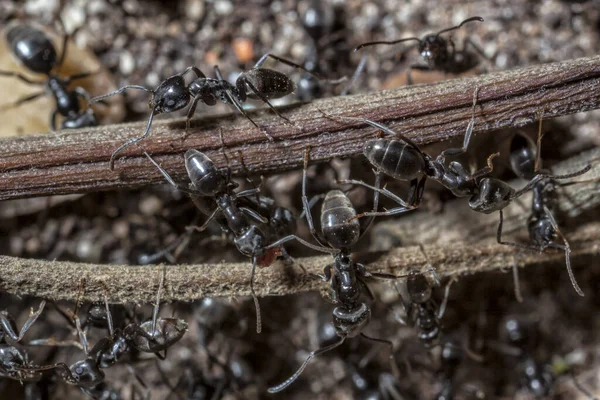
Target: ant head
x=171, y=95
x=251, y=243
x=522, y=156
x=514, y=332
x=493, y=195
x=542, y=231
x=418, y=288
x=434, y=49
x=201, y=170
x=97, y=314
x=32, y=47
x=351, y=322
x=86, y=373
x=167, y=332
x=10, y=354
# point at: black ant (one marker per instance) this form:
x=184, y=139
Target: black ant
x=525, y=161
x=207, y=182
x=173, y=94
x=434, y=50
x=421, y=310
x=339, y=235
x=14, y=362
x=37, y=53
x=451, y=358
x=403, y=160
x=320, y=21
x=156, y=334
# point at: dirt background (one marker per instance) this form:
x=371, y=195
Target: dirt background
x=145, y=42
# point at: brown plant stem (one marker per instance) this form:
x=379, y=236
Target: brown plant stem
x=76, y=162
x=61, y=280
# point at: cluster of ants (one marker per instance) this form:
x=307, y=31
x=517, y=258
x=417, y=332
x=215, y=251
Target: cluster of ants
x=260, y=228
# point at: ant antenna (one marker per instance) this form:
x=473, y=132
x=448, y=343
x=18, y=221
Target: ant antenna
x=459, y=25
x=256, y=303
x=134, y=140
x=291, y=379
x=386, y=42
x=156, y=307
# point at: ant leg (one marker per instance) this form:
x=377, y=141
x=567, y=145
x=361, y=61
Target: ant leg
x=109, y=319
x=362, y=270
x=81, y=334
x=375, y=203
x=239, y=107
x=119, y=91
x=286, y=256
x=311, y=203
x=405, y=206
x=267, y=102
x=409, y=79
x=388, y=343
x=254, y=215
x=22, y=100
x=500, y=241
x=205, y=224
x=53, y=121
x=21, y=77
x=256, y=304
x=170, y=180
x=517, y=285
x=7, y=325
x=83, y=75
x=195, y=70
x=468, y=133
x=134, y=140
x=374, y=125
x=262, y=60
x=288, y=238
x=157, y=305
x=190, y=113
x=442, y=309
x=359, y=69
x=567, y=249
x=291, y=379
x=305, y=204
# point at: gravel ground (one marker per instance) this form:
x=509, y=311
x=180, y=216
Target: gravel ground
x=144, y=42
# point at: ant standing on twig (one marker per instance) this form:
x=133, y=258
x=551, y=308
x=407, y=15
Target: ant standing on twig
x=250, y=230
x=173, y=94
x=525, y=160
x=340, y=232
x=32, y=47
x=439, y=53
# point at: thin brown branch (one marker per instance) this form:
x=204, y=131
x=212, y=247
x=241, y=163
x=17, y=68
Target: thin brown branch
x=76, y=162
x=60, y=280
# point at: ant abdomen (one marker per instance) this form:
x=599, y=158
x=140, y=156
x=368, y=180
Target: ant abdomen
x=395, y=158
x=523, y=156
x=269, y=83
x=32, y=47
x=202, y=172
x=336, y=213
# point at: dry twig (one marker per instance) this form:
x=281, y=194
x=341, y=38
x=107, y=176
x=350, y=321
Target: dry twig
x=77, y=162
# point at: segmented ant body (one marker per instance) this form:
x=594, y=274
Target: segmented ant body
x=339, y=235
x=420, y=308
x=250, y=230
x=543, y=230
x=438, y=52
x=451, y=357
x=14, y=362
x=173, y=94
x=533, y=375
x=32, y=47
